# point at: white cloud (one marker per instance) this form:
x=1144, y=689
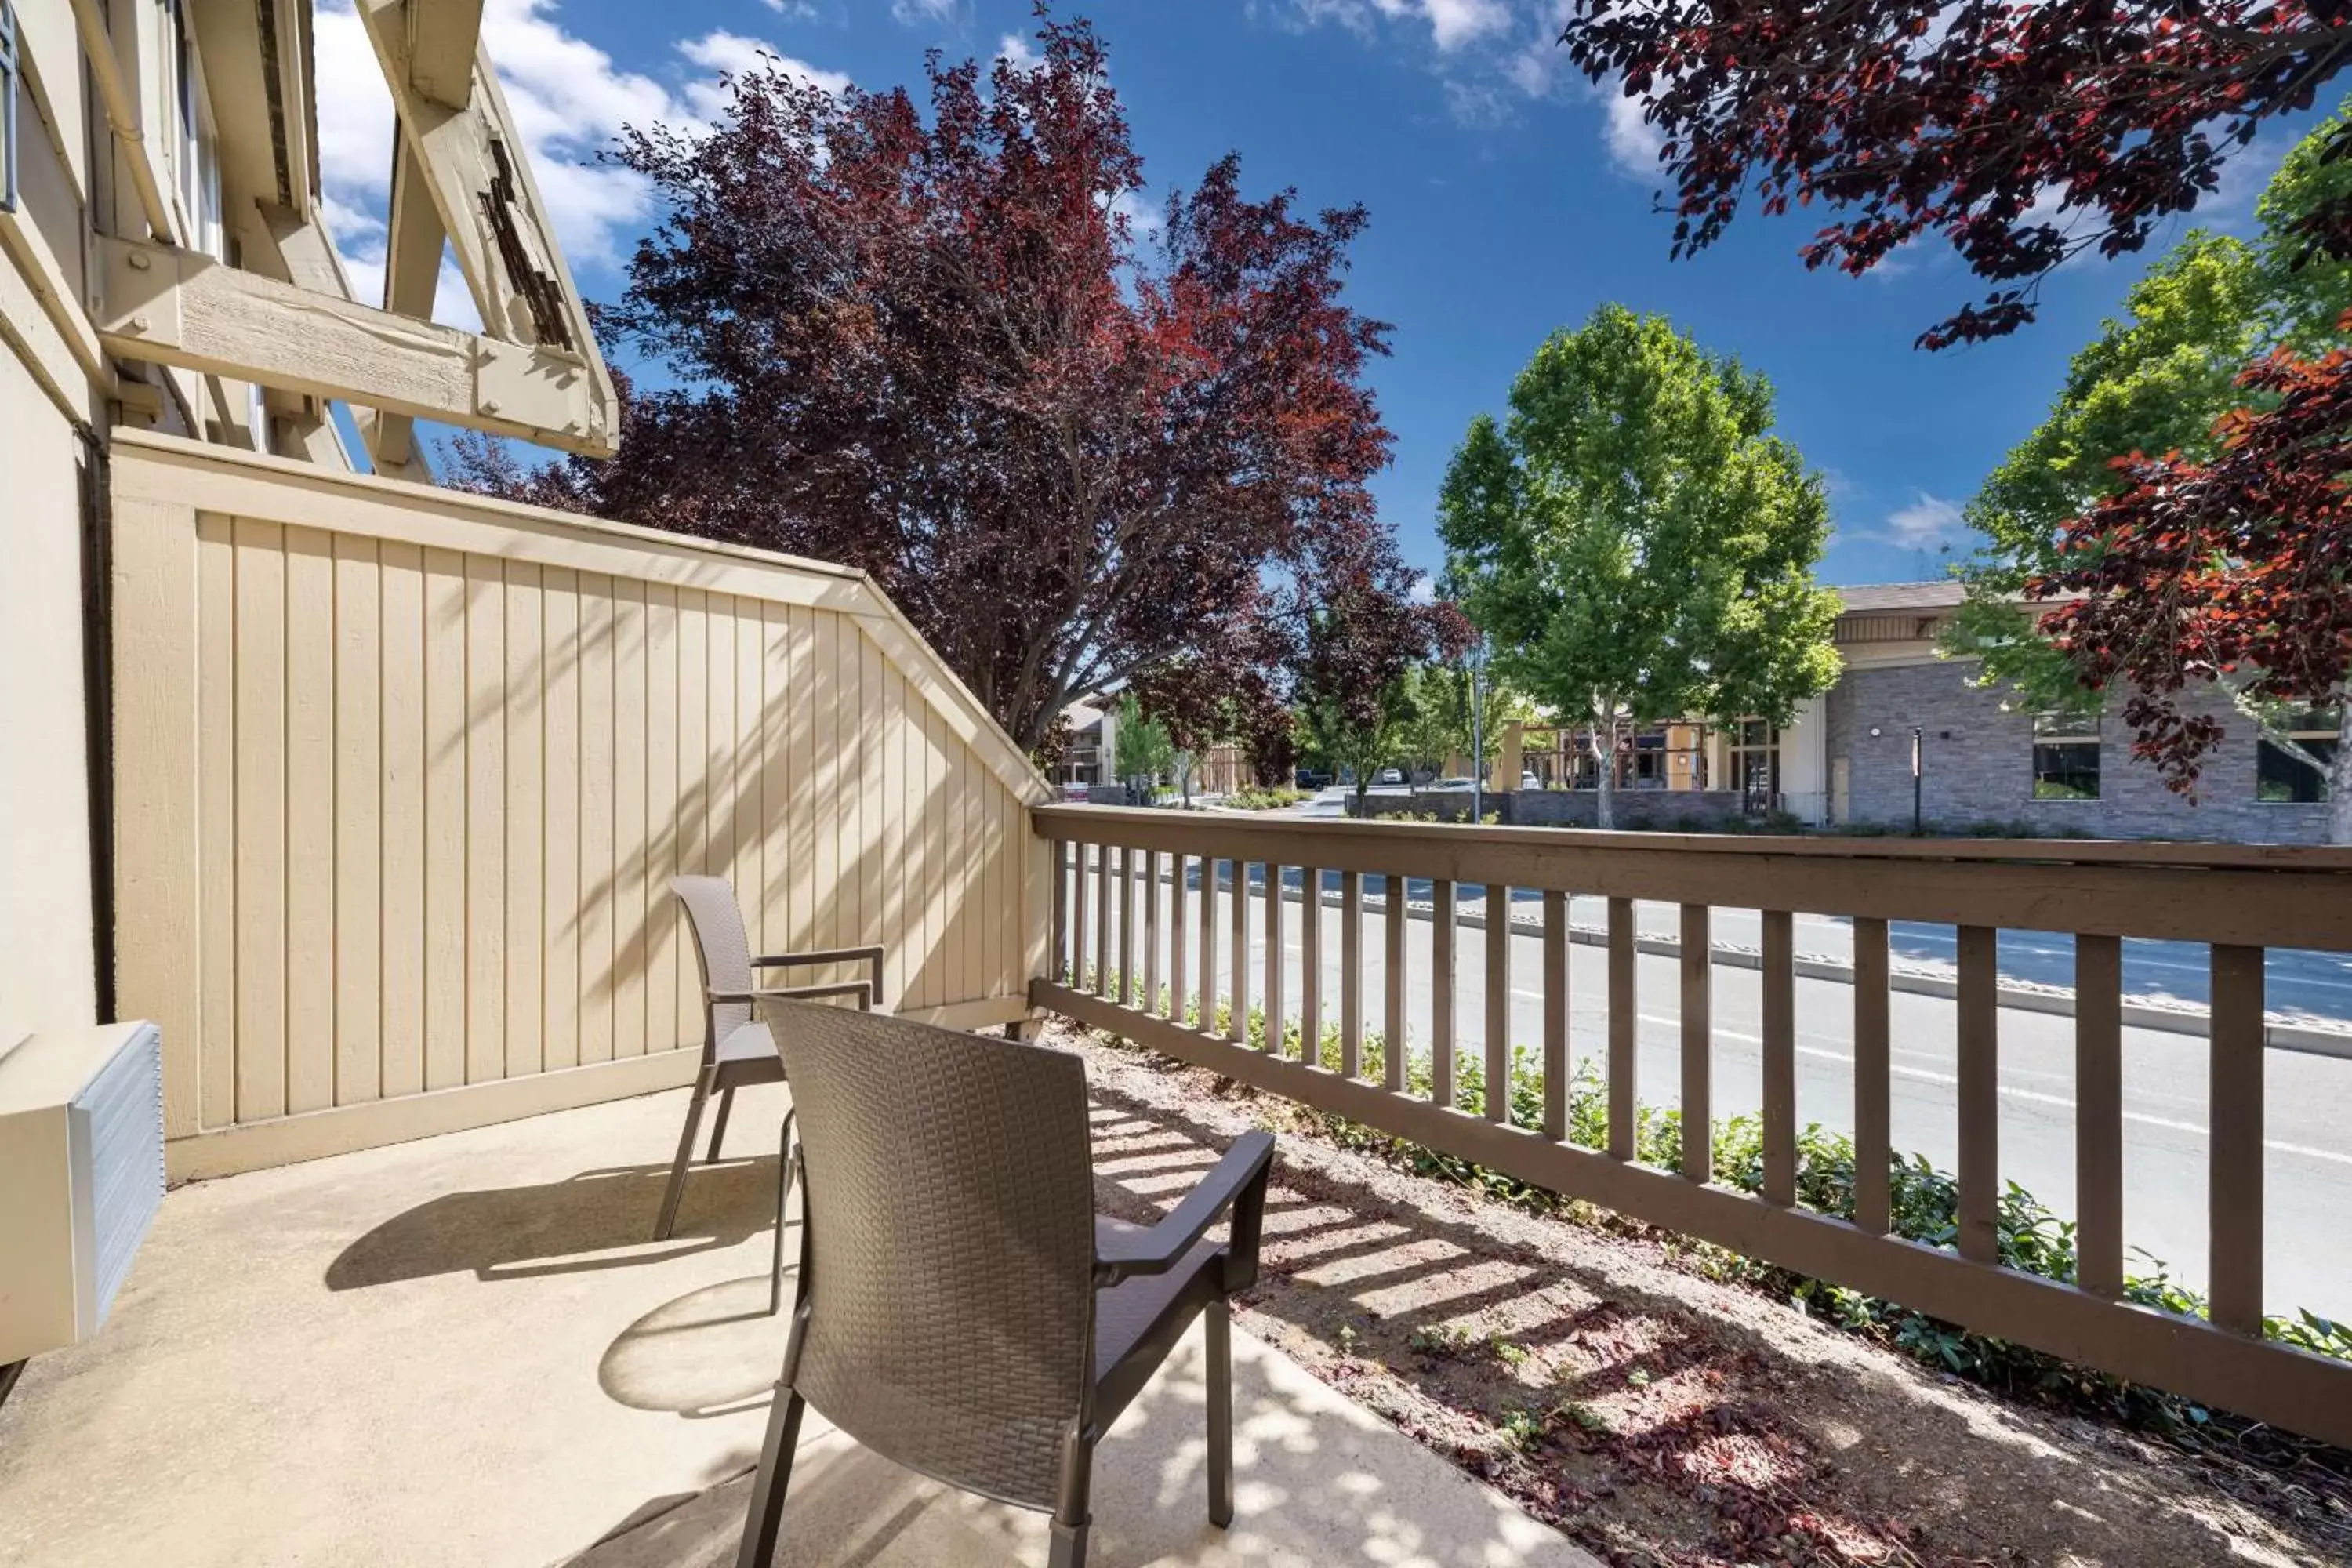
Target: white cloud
x=1926, y=522
x=1452, y=23
x=915, y=13
x=792, y=10
x=568, y=100
x=1633, y=143
x=1424, y=590
x=1017, y=51
x=1143, y=218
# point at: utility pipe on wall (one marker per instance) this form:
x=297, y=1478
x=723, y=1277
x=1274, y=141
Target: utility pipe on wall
x=122, y=113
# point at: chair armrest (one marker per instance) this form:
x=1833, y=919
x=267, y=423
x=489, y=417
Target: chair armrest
x=1238, y=1182
x=870, y=956
x=861, y=989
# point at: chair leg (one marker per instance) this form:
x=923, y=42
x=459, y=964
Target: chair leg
x=1220, y=1413
x=775, y=1476
x=1069, y=1546
x=676, y=1189
x=719, y=1128
x=784, y=1191
x=1072, y=1516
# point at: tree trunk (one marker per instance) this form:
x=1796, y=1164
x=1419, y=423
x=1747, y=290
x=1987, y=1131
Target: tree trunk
x=1604, y=753
x=2339, y=771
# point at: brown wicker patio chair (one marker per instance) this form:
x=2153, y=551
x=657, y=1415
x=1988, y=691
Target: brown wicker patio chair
x=737, y=1048
x=963, y=1311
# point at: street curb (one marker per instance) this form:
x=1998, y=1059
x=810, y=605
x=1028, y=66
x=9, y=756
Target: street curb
x=2136, y=1014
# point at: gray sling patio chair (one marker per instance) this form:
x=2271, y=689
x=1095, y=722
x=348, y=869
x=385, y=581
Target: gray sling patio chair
x=963, y=1311
x=738, y=1049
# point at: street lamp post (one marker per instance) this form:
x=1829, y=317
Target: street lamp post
x=1918, y=756
x=1477, y=659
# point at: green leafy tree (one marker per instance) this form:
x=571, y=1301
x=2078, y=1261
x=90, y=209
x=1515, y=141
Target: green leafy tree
x=2158, y=380
x=1141, y=747
x=1636, y=542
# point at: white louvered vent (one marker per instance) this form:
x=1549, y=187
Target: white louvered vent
x=119, y=1122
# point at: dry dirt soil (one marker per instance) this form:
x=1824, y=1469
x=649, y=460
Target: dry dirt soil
x=1659, y=1418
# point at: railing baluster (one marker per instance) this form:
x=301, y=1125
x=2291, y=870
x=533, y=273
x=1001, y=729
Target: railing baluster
x=1396, y=916
x=1061, y=947
x=1178, y=931
x=1555, y=1006
x=1625, y=1029
x=1078, y=919
x=1149, y=1001
x=1352, y=973
x=1873, y=1083
x=1498, y=1003
x=1127, y=927
x=2099, y=1114
x=1698, y=1048
x=1310, y=967
x=1779, y=1011
x=2235, y=1183
x=1207, y=1022
x=1103, y=949
x=1440, y=992
x=1237, y=976
x=1275, y=998
x=1979, y=1094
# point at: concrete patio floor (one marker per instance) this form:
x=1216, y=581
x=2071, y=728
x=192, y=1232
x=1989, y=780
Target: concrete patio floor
x=463, y=1351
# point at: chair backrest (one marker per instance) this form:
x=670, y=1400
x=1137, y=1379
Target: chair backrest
x=721, y=949
x=950, y=1202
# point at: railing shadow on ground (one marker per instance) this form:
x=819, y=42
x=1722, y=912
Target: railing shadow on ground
x=1355, y=1281
x=594, y=1220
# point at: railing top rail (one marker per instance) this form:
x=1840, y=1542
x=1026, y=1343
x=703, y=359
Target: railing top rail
x=2248, y=895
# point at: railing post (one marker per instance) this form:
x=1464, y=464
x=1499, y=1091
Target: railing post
x=1178, y=933
x=2099, y=1114
x=1396, y=916
x=1276, y=1001
x=1780, y=1018
x=1555, y=1006
x=1698, y=1048
x=2235, y=1183
x=1237, y=1020
x=1061, y=940
x=1624, y=1030
x=1102, y=986
x=1979, y=1094
x=1207, y=1020
x=1150, y=998
x=1127, y=927
x=1310, y=967
x=1873, y=1079
x=1078, y=895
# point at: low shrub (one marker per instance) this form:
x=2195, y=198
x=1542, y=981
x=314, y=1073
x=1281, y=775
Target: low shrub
x=1261, y=798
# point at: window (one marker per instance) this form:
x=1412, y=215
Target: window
x=7, y=108
x=2284, y=778
x=2066, y=757
x=1755, y=761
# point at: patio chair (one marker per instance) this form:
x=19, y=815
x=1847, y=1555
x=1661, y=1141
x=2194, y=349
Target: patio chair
x=737, y=1048
x=962, y=1309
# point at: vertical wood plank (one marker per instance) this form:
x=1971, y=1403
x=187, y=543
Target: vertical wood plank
x=486, y=790
x=1873, y=1079
x=1081, y=894
x=1395, y=919
x=1556, y=1071
x=631, y=761
x=1237, y=971
x=401, y=650
x=1979, y=1095
x=775, y=693
x=559, y=1024
x=1150, y=999
x=1624, y=1030
x=359, y=828
x=1498, y=1003
x=1698, y=1047
x=1352, y=973
x=1126, y=977
x=309, y=660
x=526, y=820
x=448, y=784
x=1779, y=1016
x=1104, y=953
x=1440, y=992
x=1206, y=1021
x=260, y=820
x=1179, y=935
x=217, y=818
x=1310, y=967
x=659, y=913
x=1276, y=1010
x=2099, y=1114
x=2234, y=1190
x=159, y=968
x=695, y=784
x=597, y=878
x=1061, y=910
x=890, y=928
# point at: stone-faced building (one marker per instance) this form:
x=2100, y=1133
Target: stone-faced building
x=1981, y=765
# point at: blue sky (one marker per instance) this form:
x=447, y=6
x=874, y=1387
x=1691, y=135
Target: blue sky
x=1507, y=199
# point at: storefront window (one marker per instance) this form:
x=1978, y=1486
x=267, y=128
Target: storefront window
x=2066, y=757
x=2297, y=773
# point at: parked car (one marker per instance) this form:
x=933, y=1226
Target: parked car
x=1456, y=783
x=1529, y=781
x=1391, y=776
x=1312, y=778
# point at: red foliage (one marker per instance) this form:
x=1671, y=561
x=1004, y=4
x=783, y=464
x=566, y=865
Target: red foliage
x=2022, y=131
x=938, y=350
x=2239, y=567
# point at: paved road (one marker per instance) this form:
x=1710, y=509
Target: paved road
x=2308, y=1098
x=2309, y=984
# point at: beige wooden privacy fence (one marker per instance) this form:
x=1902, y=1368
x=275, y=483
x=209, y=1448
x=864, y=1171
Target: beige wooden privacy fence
x=1108, y=975
x=401, y=776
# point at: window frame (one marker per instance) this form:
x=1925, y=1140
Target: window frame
x=12, y=70
x=2066, y=733
x=2317, y=724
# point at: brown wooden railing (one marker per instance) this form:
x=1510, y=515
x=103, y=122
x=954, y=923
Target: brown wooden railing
x=2240, y=900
